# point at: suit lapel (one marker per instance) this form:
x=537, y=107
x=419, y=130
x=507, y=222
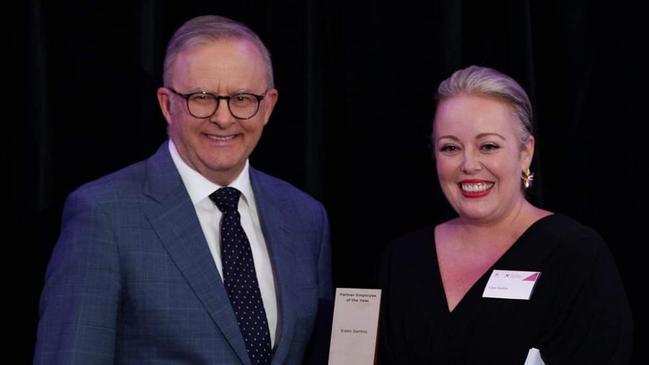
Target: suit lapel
x=273, y=221
x=172, y=215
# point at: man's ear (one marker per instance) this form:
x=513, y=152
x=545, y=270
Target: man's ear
x=270, y=99
x=164, y=101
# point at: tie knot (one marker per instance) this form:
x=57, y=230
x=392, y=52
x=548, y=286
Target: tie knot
x=226, y=199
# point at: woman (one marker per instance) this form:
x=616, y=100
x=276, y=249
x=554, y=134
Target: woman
x=504, y=282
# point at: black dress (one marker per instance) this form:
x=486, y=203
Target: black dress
x=578, y=312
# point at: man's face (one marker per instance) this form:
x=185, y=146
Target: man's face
x=217, y=147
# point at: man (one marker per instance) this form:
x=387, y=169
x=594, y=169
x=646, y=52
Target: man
x=136, y=275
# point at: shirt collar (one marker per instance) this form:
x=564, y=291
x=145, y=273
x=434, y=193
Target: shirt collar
x=199, y=187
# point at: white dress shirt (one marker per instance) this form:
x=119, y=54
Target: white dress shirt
x=209, y=216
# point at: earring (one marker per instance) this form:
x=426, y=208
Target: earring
x=527, y=177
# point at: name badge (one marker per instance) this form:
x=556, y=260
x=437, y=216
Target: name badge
x=511, y=284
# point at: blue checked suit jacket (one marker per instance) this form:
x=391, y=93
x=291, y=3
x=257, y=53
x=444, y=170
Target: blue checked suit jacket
x=132, y=281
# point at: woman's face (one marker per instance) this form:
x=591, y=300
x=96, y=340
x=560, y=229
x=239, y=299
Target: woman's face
x=479, y=156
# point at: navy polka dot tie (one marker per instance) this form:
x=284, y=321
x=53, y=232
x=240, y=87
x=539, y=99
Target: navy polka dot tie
x=240, y=278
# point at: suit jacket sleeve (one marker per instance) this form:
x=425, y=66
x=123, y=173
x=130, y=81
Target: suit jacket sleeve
x=80, y=299
x=317, y=351
x=325, y=285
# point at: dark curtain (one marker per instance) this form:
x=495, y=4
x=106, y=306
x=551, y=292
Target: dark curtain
x=352, y=125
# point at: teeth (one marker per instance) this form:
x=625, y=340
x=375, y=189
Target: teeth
x=476, y=188
x=219, y=138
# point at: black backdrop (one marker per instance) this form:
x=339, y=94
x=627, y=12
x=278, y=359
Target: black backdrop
x=351, y=127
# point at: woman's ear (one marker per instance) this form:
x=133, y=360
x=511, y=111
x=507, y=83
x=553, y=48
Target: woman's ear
x=527, y=153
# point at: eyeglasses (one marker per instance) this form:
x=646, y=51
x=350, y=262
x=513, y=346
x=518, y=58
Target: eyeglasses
x=202, y=104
